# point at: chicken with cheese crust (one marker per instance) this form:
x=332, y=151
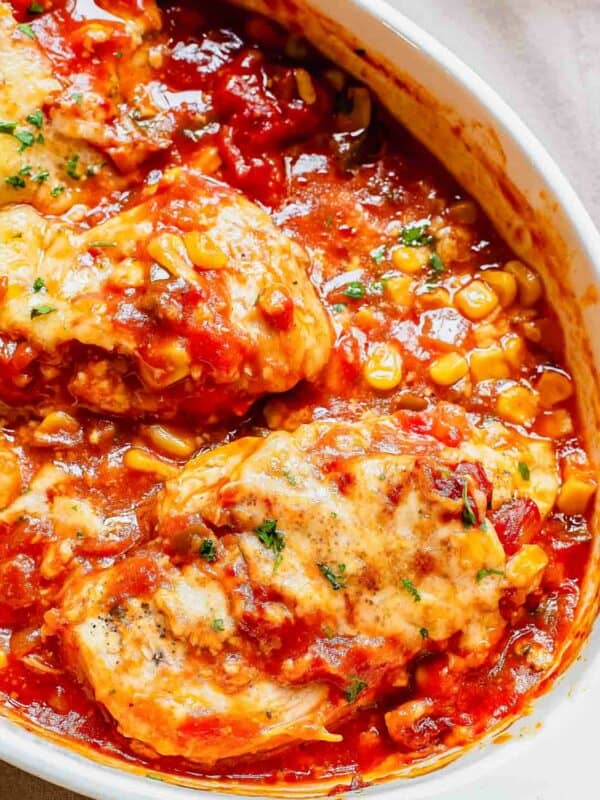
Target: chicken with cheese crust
x=189, y=302
x=295, y=579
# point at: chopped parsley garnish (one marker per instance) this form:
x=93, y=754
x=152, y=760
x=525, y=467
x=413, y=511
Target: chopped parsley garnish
x=26, y=138
x=207, y=550
x=355, y=290
x=41, y=311
x=355, y=688
x=71, y=167
x=524, y=470
x=79, y=534
x=218, y=625
x=289, y=477
x=103, y=244
x=38, y=284
x=376, y=287
x=338, y=307
x=78, y=98
x=328, y=631
x=16, y=181
x=36, y=118
x=378, y=254
x=272, y=539
x=57, y=190
x=42, y=176
x=7, y=127
x=336, y=579
x=411, y=589
x=468, y=514
x=484, y=573
x=437, y=266
x=35, y=8
x=26, y=170
x=424, y=633
x=415, y=234
x=26, y=29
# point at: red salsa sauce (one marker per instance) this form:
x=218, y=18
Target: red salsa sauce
x=277, y=121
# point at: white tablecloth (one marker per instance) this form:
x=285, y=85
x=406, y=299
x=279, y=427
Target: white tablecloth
x=543, y=57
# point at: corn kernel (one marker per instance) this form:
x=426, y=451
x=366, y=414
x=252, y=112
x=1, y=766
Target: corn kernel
x=400, y=290
x=366, y=319
x=207, y=160
x=556, y=424
x=410, y=260
x=529, y=283
x=58, y=422
x=305, y=85
x=514, y=349
x=465, y=211
x=205, y=254
x=169, y=251
x=448, y=369
x=517, y=404
x=435, y=298
x=487, y=363
x=575, y=494
x=553, y=387
x=170, y=441
x=141, y=461
x=525, y=566
x=383, y=370
x=476, y=300
x=503, y=283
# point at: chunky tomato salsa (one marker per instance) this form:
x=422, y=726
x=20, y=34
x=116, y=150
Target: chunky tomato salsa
x=292, y=482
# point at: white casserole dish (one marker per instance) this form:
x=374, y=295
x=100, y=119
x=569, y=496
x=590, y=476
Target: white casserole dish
x=493, y=155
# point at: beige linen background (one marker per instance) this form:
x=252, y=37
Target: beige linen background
x=543, y=57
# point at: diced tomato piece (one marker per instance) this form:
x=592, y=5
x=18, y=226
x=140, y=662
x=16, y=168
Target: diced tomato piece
x=18, y=581
x=518, y=521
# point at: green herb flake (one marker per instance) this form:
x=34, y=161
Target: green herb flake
x=218, y=625
x=468, y=514
x=71, y=167
x=41, y=176
x=272, y=539
x=16, y=181
x=289, y=477
x=336, y=579
x=7, y=127
x=379, y=253
x=355, y=290
x=207, y=550
x=356, y=687
x=36, y=118
x=337, y=308
x=41, y=311
x=57, y=191
x=484, y=573
x=376, y=287
x=328, y=631
x=103, y=244
x=437, y=265
x=411, y=589
x=26, y=138
x=38, y=284
x=524, y=470
x=154, y=777
x=26, y=29
x=415, y=234
x=424, y=633
x=35, y=8
x=79, y=534
x=25, y=170
x=77, y=98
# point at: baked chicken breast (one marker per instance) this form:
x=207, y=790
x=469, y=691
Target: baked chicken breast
x=295, y=578
x=191, y=301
